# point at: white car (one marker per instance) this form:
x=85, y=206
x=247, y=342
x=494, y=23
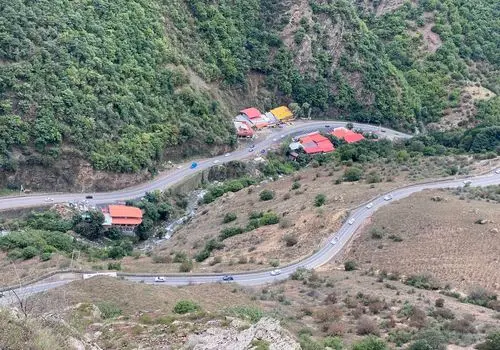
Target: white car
x=274, y=140
x=179, y=166
x=216, y=161
x=388, y=197
x=369, y=205
x=350, y=222
x=467, y=182
x=334, y=241
x=275, y=272
x=497, y=171
x=49, y=199
x=160, y=279
x=227, y=154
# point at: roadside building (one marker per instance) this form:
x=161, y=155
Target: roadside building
x=316, y=143
x=124, y=217
x=243, y=129
x=282, y=113
x=270, y=119
x=347, y=135
x=354, y=137
x=251, y=112
x=254, y=117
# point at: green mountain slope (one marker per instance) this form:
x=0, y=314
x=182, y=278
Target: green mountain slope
x=119, y=81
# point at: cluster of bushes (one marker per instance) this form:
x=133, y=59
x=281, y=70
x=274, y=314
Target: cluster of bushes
x=229, y=186
x=256, y=220
x=488, y=193
x=210, y=246
x=28, y=243
x=482, y=297
x=185, y=306
x=422, y=282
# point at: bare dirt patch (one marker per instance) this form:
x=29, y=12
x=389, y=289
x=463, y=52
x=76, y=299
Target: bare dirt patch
x=439, y=235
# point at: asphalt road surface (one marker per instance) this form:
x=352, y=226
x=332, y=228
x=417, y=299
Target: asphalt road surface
x=174, y=176
x=320, y=257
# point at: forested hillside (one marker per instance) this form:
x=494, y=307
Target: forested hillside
x=123, y=82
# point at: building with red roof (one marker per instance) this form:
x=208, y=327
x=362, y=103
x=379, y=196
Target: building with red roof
x=354, y=137
x=340, y=132
x=243, y=129
x=122, y=216
x=254, y=117
x=251, y=113
x=315, y=143
x=347, y=135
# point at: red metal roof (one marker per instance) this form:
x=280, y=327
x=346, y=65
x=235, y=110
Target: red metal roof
x=340, y=132
x=124, y=211
x=316, y=143
x=251, y=112
x=354, y=137
x=122, y=221
x=348, y=135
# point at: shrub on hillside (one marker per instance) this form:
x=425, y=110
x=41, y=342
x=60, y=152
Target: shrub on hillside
x=377, y=233
x=439, y=302
x=370, y=343
x=319, y=200
x=424, y=281
x=186, y=266
x=290, y=239
x=266, y=195
x=350, y=265
x=230, y=232
x=29, y=252
x=353, y=174
x=45, y=256
x=180, y=257
x=109, y=310
x=480, y=296
x=114, y=266
x=229, y=217
x=269, y=218
x=116, y=252
x=161, y=259
x=185, y=306
x=253, y=314
x=334, y=343
x=492, y=342
x=366, y=326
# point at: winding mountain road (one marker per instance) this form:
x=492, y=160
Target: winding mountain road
x=171, y=177
x=317, y=259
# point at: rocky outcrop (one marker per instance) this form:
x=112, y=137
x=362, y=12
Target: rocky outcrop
x=267, y=331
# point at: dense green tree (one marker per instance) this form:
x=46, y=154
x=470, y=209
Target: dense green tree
x=89, y=225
